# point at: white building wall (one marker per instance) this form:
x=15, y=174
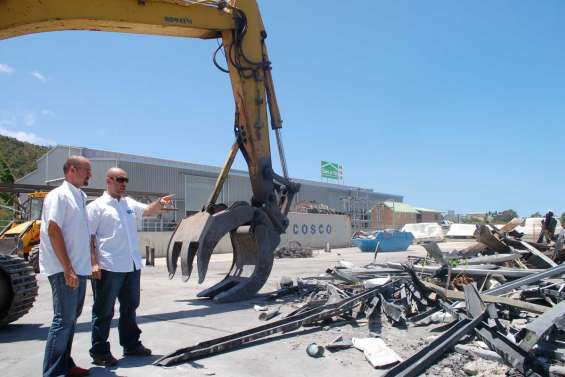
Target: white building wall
x=310, y=229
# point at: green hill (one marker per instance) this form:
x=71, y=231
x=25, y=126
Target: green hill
x=17, y=158
x=20, y=156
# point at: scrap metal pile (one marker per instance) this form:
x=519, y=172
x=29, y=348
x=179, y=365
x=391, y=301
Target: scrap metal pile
x=504, y=293
x=293, y=250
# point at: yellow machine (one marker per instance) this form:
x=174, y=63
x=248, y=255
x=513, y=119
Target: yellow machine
x=254, y=226
x=19, y=242
x=22, y=234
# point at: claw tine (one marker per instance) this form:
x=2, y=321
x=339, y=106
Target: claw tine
x=187, y=259
x=172, y=258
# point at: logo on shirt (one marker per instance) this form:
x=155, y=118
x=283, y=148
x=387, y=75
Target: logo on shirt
x=129, y=211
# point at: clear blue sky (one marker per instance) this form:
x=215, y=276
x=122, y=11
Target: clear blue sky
x=455, y=105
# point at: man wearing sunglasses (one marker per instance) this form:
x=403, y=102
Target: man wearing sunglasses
x=116, y=271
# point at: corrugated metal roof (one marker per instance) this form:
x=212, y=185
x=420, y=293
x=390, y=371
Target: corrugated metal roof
x=400, y=207
x=427, y=210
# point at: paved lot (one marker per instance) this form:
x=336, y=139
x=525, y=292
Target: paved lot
x=172, y=317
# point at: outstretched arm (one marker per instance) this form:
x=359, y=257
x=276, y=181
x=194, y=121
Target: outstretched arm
x=156, y=206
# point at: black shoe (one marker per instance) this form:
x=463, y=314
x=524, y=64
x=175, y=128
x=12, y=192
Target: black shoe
x=139, y=351
x=104, y=360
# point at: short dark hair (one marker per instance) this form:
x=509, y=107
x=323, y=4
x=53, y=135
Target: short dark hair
x=72, y=161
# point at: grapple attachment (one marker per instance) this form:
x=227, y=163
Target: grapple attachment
x=253, y=239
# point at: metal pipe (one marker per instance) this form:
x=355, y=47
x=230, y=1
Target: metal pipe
x=281, y=152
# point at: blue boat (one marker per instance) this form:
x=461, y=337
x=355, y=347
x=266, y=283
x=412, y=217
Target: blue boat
x=393, y=240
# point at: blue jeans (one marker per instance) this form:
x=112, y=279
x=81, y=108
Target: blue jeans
x=67, y=306
x=125, y=287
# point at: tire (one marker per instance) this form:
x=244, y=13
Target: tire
x=18, y=288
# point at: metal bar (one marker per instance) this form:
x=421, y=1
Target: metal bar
x=539, y=254
x=535, y=330
x=458, y=295
x=510, y=352
x=223, y=173
x=276, y=121
x=282, y=156
x=223, y=344
x=498, y=258
x=526, y=280
x=349, y=278
x=473, y=270
x=507, y=287
x=420, y=361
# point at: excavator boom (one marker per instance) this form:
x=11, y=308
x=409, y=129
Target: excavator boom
x=254, y=227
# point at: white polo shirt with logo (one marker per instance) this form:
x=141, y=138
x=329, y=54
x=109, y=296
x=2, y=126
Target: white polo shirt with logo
x=114, y=223
x=65, y=206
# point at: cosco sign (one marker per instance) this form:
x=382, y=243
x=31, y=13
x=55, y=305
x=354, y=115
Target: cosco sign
x=312, y=229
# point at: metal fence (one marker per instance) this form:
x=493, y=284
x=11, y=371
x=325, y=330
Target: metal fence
x=156, y=225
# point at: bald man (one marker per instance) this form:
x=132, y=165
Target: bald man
x=65, y=257
x=116, y=270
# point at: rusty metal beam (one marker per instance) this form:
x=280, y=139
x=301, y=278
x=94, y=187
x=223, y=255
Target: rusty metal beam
x=291, y=323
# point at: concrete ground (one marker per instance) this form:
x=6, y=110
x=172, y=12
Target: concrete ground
x=171, y=317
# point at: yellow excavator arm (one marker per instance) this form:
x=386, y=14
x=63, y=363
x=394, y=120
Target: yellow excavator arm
x=254, y=227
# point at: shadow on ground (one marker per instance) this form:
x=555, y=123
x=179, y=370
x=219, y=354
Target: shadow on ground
x=38, y=331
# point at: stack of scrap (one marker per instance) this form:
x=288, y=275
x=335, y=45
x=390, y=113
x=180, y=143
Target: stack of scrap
x=504, y=294
x=294, y=250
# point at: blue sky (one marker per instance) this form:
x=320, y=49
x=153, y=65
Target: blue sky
x=455, y=105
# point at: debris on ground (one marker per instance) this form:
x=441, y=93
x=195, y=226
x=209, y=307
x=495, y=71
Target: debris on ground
x=294, y=250
x=315, y=350
x=501, y=300
x=377, y=352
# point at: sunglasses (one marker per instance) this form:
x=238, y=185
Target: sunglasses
x=120, y=179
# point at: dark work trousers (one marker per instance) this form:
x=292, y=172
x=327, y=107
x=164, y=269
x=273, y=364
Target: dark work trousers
x=67, y=306
x=125, y=287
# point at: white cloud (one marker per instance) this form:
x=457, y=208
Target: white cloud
x=29, y=137
x=5, y=68
x=39, y=76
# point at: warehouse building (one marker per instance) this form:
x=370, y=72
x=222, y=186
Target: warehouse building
x=394, y=215
x=193, y=183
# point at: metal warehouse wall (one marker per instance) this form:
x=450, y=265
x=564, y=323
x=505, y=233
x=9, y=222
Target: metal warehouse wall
x=99, y=169
x=153, y=178
x=191, y=183
x=50, y=166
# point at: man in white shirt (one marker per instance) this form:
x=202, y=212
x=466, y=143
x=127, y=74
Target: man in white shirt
x=113, y=223
x=64, y=256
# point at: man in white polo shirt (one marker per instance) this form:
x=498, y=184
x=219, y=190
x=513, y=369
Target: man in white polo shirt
x=113, y=223
x=64, y=256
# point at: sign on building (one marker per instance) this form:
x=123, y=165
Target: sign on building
x=331, y=170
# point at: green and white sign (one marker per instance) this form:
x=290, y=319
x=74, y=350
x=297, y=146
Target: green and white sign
x=331, y=170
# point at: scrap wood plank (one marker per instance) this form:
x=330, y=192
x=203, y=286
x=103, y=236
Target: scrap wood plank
x=457, y=295
x=511, y=225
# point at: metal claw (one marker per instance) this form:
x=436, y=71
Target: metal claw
x=253, y=238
